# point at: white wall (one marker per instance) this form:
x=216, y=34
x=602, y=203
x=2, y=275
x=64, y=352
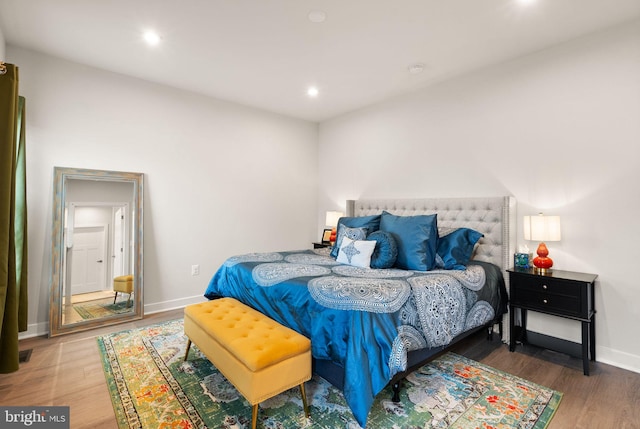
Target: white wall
x=559, y=130
x=220, y=178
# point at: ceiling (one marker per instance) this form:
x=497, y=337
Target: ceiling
x=266, y=53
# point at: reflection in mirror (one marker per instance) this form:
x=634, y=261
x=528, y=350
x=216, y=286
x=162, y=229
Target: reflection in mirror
x=97, y=249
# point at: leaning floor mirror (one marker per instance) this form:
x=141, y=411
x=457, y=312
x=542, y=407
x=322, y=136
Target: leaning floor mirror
x=96, y=275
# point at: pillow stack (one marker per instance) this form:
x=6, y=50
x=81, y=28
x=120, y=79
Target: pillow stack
x=405, y=242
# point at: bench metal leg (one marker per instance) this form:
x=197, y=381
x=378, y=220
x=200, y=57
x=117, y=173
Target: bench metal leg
x=186, y=354
x=304, y=400
x=254, y=416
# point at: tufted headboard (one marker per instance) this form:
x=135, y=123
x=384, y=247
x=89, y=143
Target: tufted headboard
x=493, y=216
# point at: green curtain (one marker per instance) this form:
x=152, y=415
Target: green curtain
x=13, y=220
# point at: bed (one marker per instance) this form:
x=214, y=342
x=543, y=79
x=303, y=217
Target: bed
x=370, y=327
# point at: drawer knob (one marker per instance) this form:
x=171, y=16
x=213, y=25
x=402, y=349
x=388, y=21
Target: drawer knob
x=545, y=301
x=544, y=286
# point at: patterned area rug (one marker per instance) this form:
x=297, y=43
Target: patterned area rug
x=151, y=387
x=101, y=308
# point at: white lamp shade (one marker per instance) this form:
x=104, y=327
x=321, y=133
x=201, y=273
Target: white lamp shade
x=332, y=218
x=542, y=228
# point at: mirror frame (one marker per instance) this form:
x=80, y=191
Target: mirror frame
x=60, y=176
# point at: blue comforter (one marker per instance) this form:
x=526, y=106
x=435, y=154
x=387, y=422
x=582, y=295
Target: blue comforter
x=363, y=319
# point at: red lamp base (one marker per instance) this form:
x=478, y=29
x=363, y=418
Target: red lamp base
x=542, y=262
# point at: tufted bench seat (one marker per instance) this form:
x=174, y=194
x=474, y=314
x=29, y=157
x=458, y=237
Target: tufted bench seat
x=123, y=284
x=260, y=357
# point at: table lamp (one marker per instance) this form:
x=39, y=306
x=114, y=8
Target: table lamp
x=542, y=228
x=332, y=221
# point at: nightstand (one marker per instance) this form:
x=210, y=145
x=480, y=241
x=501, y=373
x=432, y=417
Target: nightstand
x=317, y=245
x=559, y=293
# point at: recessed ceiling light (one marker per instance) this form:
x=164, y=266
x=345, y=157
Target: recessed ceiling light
x=151, y=37
x=526, y=2
x=312, y=92
x=416, y=68
x=317, y=16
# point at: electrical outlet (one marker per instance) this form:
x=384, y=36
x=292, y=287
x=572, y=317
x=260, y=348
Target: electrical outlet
x=195, y=270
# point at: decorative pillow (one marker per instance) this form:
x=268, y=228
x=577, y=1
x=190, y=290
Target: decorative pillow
x=356, y=252
x=345, y=231
x=386, y=251
x=416, y=237
x=371, y=223
x=455, y=247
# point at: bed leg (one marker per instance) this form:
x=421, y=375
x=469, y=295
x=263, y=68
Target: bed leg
x=396, y=391
x=490, y=331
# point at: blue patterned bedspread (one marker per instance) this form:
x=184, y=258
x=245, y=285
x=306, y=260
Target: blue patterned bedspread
x=363, y=319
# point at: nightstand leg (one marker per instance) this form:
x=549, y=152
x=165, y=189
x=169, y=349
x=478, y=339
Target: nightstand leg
x=523, y=333
x=512, y=328
x=592, y=340
x=585, y=347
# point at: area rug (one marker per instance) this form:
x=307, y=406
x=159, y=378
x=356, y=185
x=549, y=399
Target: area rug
x=152, y=387
x=101, y=308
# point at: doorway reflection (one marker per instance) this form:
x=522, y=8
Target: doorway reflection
x=96, y=252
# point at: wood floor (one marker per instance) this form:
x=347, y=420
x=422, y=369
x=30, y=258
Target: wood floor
x=67, y=371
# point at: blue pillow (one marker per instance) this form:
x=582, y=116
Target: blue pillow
x=386, y=251
x=456, y=247
x=371, y=223
x=416, y=237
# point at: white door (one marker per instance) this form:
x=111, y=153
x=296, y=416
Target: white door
x=87, y=260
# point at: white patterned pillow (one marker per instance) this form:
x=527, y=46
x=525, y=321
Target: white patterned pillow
x=356, y=252
x=359, y=233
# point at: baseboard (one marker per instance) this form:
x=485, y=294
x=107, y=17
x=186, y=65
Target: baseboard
x=617, y=358
x=173, y=304
x=35, y=330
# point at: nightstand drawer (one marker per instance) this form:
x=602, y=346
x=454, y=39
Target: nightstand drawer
x=547, y=302
x=552, y=286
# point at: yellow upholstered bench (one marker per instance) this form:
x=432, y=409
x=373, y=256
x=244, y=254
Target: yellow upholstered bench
x=123, y=284
x=260, y=357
